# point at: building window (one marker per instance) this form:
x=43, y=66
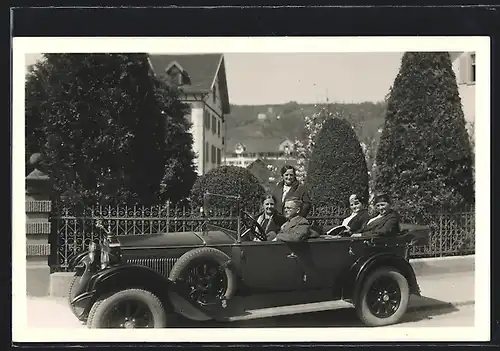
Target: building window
x=206, y=152
x=213, y=154
x=219, y=156
x=214, y=93
x=473, y=68
x=206, y=118
x=214, y=124
x=218, y=128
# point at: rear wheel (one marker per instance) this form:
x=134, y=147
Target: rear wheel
x=383, y=298
x=129, y=309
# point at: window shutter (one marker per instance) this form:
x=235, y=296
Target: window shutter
x=464, y=68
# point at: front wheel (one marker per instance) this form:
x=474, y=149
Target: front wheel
x=129, y=309
x=77, y=311
x=383, y=298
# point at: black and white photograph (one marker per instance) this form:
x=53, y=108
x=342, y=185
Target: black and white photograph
x=291, y=189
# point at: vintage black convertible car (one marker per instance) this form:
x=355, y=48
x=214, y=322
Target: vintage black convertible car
x=144, y=281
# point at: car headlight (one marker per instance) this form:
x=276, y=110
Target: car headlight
x=92, y=250
x=104, y=258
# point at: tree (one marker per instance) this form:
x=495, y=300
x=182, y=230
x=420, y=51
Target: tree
x=337, y=167
x=179, y=170
x=100, y=122
x=424, y=158
x=261, y=171
x=303, y=147
x=228, y=180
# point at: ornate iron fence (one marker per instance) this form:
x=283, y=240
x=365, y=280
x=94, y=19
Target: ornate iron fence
x=451, y=233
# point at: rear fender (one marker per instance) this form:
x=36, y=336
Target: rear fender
x=360, y=270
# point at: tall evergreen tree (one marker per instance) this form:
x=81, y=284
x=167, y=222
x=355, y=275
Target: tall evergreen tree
x=424, y=158
x=99, y=121
x=337, y=167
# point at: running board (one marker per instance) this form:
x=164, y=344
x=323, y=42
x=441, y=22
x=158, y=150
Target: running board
x=290, y=309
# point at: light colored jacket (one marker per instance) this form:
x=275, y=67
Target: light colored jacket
x=295, y=229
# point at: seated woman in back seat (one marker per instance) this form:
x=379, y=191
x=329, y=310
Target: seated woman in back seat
x=358, y=218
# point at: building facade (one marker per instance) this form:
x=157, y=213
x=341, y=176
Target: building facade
x=202, y=79
x=464, y=66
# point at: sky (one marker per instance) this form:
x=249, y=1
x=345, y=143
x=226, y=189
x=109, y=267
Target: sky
x=275, y=78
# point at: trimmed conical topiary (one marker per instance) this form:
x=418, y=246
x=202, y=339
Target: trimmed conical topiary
x=337, y=167
x=424, y=158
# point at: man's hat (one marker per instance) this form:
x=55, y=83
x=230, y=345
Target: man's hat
x=381, y=197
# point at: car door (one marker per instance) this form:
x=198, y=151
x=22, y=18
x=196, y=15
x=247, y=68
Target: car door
x=323, y=261
x=270, y=266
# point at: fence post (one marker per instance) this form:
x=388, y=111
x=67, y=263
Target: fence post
x=38, y=207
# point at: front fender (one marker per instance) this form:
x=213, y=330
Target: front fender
x=128, y=276
x=363, y=266
x=174, y=295
x=76, y=260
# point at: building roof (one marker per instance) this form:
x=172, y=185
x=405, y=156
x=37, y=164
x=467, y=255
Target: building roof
x=454, y=55
x=202, y=70
x=256, y=145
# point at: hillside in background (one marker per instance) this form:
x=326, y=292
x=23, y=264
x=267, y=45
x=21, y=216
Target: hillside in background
x=287, y=120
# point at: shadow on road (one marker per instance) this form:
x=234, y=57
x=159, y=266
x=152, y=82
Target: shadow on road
x=345, y=318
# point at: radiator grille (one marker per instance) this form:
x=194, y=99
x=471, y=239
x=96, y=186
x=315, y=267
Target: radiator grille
x=160, y=265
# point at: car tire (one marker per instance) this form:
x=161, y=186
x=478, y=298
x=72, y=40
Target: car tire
x=72, y=294
x=209, y=254
x=98, y=315
x=397, y=294
x=185, y=262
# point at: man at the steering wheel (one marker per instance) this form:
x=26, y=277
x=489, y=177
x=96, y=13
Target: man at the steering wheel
x=296, y=228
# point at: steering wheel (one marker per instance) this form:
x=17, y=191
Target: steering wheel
x=252, y=225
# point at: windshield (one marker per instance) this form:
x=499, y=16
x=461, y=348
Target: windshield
x=222, y=212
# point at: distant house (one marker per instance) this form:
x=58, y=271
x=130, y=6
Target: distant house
x=202, y=78
x=464, y=66
x=243, y=152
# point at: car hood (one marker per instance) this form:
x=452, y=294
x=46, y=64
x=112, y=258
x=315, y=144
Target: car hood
x=175, y=239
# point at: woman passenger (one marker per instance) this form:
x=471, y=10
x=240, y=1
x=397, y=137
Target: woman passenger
x=289, y=187
x=359, y=215
x=269, y=219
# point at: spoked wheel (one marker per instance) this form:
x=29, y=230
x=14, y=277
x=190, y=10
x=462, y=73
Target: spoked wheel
x=207, y=277
x=384, y=297
x=206, y=280
x=128, y=309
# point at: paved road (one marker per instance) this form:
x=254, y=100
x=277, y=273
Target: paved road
x=54, y=313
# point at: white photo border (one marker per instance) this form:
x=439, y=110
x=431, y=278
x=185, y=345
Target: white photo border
x=37, y=45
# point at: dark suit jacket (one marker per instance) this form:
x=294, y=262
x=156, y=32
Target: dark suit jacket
x=385, y=226
x=274, y=225
x=359, y=221
x=297, y=190
x=295, y=229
